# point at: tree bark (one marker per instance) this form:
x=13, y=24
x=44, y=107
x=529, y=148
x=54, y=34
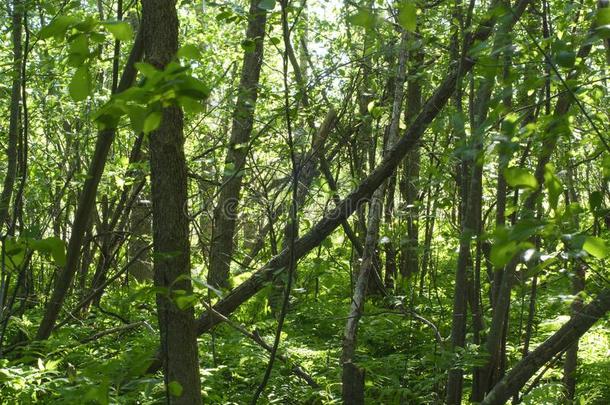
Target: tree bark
x=140, y=229
x=409, y=250
x=223, y=233
x=471, y=215
x=168, y=174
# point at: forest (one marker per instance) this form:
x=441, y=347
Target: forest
x=304, y=202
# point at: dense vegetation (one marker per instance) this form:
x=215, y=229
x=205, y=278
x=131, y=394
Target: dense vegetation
x=302, y=201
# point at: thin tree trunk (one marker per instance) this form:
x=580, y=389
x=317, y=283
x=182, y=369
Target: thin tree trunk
x=351, y=387
x=500, y=315
x=561, y=340
x=570, y=364
x=13, y=131
x=409, y=250
x=471, y=215
x=85, y=205
x=223, y=233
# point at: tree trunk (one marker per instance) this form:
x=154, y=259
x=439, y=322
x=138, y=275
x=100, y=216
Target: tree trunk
x=85, y=204
x=502, y=305
x=140, y=227
x=13, y=131
x=372, y=235
x=566, y=336
x=223, y=233
x=168, y=174
x=578, y=278
x=471, y=215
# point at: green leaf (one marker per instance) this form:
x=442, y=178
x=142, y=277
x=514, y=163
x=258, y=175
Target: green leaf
x=53, y=246
x=185, y=301
x=501, y=253
x=58, y=250
x=596, y=247
x=146, y=69
x=268, y=5
x=175, y=388
x=76, y=59
x=518, y=177
x=152, y=122
x=80, y=85
x=58, y=27
x=566, y=59
x=87, y=25
x=109, y=114
x=189, y=52
x=407, y=16
x=223, y=15
x=363, y=18
x=374, y=110
x=553, y=185
x=15, y=252
x=190, y=105
x=248, y=45
x=137, y=116
x=120, y=30
x=79, y=45
x=193, y=88
x=603, y=17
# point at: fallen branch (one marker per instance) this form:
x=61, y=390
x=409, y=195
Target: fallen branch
x=297, y=370
x=118, y=329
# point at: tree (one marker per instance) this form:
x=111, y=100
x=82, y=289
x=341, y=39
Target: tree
x=410, y=199
x=225, y=218
x=171, y=242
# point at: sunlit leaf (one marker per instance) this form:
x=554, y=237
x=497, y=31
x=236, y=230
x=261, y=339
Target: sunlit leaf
x=363, y=18
x=596, y=247
x=80, y=85
x=152, y=122
x=518, y=177
x=407, y=15
x=268, y=5
x=120, y=30
x=553, y=185
x=175, y=388
x=58, y=27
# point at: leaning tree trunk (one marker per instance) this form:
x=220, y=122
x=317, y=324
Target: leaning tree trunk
x=223, y=233
x=85, y=206
x=168, y=174
x=565, y=337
